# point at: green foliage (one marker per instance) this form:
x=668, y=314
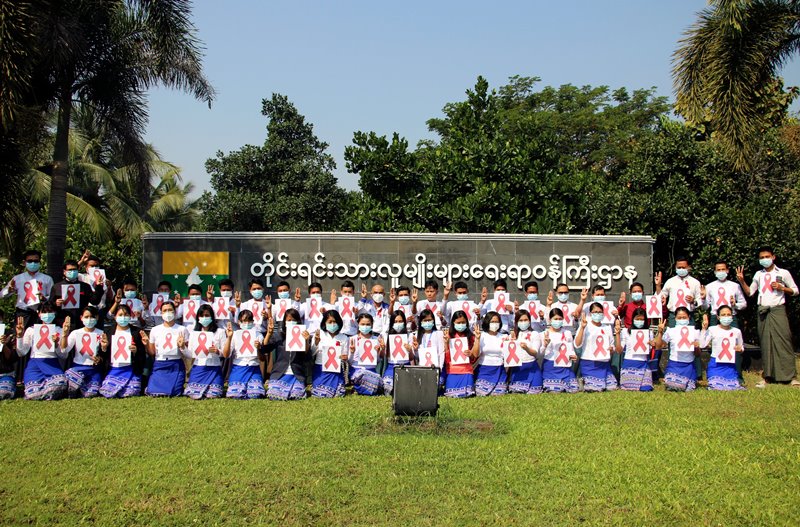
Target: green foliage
x=667, y=459
x=285, y=185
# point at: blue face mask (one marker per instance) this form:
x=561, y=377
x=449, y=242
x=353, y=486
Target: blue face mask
x=89, y=322
x=600, y=298
x=556, y=324
x=71, y=275
x=563, y=297
x=462, y=297
x=681, y=321
x=196, y=298
x=33, y=266
x=399, y=327
x=246, y=325
x=332, y=327
x=365, y=330
x=257, y=293
x=404, y=300
x=524, y=325
x=637, y=296
x=726, y=320
x=283, y=294
x=682, y=272
x=597, y=317
x=461, y=327
x=123, y=320
x=427, y=325
x=131, y=294
x=638, y=324
x=533, y=296
x=721, y=275
x=48, y=318
x=205, y=321
x=765, y=262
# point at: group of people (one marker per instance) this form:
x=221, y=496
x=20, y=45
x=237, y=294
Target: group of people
x=83, y=338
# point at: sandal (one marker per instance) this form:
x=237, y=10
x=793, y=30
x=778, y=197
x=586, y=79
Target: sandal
x=761, y=384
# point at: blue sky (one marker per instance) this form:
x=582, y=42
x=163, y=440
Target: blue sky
x=386, y=67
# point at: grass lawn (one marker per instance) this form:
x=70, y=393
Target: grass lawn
x=702, y=458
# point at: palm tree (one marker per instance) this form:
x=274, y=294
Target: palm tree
x=725, y=70
x=103, y=54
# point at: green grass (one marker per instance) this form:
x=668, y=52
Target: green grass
x=702, y=458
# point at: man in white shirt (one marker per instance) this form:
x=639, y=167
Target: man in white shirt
x=682, y=290
x=773, y=285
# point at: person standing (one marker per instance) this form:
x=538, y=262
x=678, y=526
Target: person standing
x=772, y=285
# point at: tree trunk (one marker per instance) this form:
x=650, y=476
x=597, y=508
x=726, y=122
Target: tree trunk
x=57, y=214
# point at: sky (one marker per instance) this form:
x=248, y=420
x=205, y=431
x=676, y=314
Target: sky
x=389, y=67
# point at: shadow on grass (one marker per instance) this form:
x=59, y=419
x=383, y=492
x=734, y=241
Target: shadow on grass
x=445, y=423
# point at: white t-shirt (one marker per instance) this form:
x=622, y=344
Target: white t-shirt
x=84, y=350
x=673, y=337
x=166, y=341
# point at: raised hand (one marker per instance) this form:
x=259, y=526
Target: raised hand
x=182, y=341
x=550, y=298
x=484, y=295
x=118, y=296
x=657, y=279
x=702, y=292
x=104, y=342
x=414, y=295
x=268, y=304
x=584, y=322
x=20, y=329
x=363, y=290
x=705, y=321
x=66, y=326
x=392, y=296
x=546, y=338
x=316, y=337
x=297, y=296
x=662, y=325
x=447, y=288
x=237, y=298
x=145, y=338
x=477, y=331
x=333, y=296
x=229, y=330
x=210, y=292
x=584, y=294
x=740, y=273
x=271, y=325
x=622, y=298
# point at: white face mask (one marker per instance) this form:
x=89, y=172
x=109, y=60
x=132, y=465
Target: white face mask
x=494, y=327
x=168, y=316
x=377, y=298
x=226, y=294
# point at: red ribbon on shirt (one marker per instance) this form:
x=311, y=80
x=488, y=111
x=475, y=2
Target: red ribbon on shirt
x=86, y=344
x=599, y=346
x=30, y=296
x=767, y=287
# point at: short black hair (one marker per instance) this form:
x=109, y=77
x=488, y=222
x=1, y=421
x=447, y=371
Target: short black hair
x=460, y=285
x=131, y=281
x=70, y=262
x=226, y=281
x=432, y=283
x=195, y=287
x=764, y=249
x=283, y=283
x=598, y=288
x=682, y=258
x=488, y=320
x=166, y=283
x=403, y=288
x=312, y=285
x=500, y=283
x=255, y=281
x=348, y=283
x=637, y=284
x=531, y=284
x=31, y=252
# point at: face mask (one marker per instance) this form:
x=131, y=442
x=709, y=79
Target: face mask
x=89, y=322
x=637, y=297
x=205, y=321
x=315, y=295
x=168, y=316
x=71, y=275
x=682, y=272
x=462, y=297
x=196, y=298
x=404, y=300
x=226, y=294
x=399, y=327
x=48, y=318
x=563, y=297
x=597, y=317
x=283, y=294
x=257, y=293
x=461, y=327
x=332, y=327
x=726, y=320
x=123, y=320
x=290, y=324
x=33, y=266
x=494, y=327
x=427, y=325
x=533, y=296
x=681, y=321
x=132, y=294
x=556, y=324
x=524, y=325
x=377, y=298
x=246, y=325
x=599, y=298
x=365, y=330
x=765, y=262
x=638, y=324
x=721, y=275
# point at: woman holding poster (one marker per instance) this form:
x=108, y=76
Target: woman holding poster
x=127, y=350
x=86, y=375
x=490, y=374
x=726, y=342
x=398, y=343
x=527, y=377
x=635, y=375
x=428, y=344
x=44, y=378
x=290, y=344
x=684, y=346
x=598, y=343
x=462, y=349
x=204, y=346
x=559, y=352
x=365, y=350
x=329, y=348
x=167, y=340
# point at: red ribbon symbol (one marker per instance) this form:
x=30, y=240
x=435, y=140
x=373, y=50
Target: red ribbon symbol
x=282, y=310
x=432, y=307
x=191, y=312
x=428, y=359
x=367, y=352
x=347, y=309
x=606, y=310
x=640, y=345
x=720, y=297
x=599, y=345
x=767, y=283
x=122, y=349
x=159, y=303
x=30, y=296
x=202, y=338
x=313, y=307
x=684, y=337
x=726, y=349
x=465, y=307
x=532, y=311
x=562, y=354
x=653, y=308
x=458, y=344
x=512, y=353
x=501, y=303
x=86, y=344
x=256, y=315
x=167, y=341
x=44, y=337
x=295, y=338
x=71, y=300
x=397, y=349
x=98, y=277
x=246, y=345
x=565, y=309
x=331, y=362
x=222, y=308
x=681, y=301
